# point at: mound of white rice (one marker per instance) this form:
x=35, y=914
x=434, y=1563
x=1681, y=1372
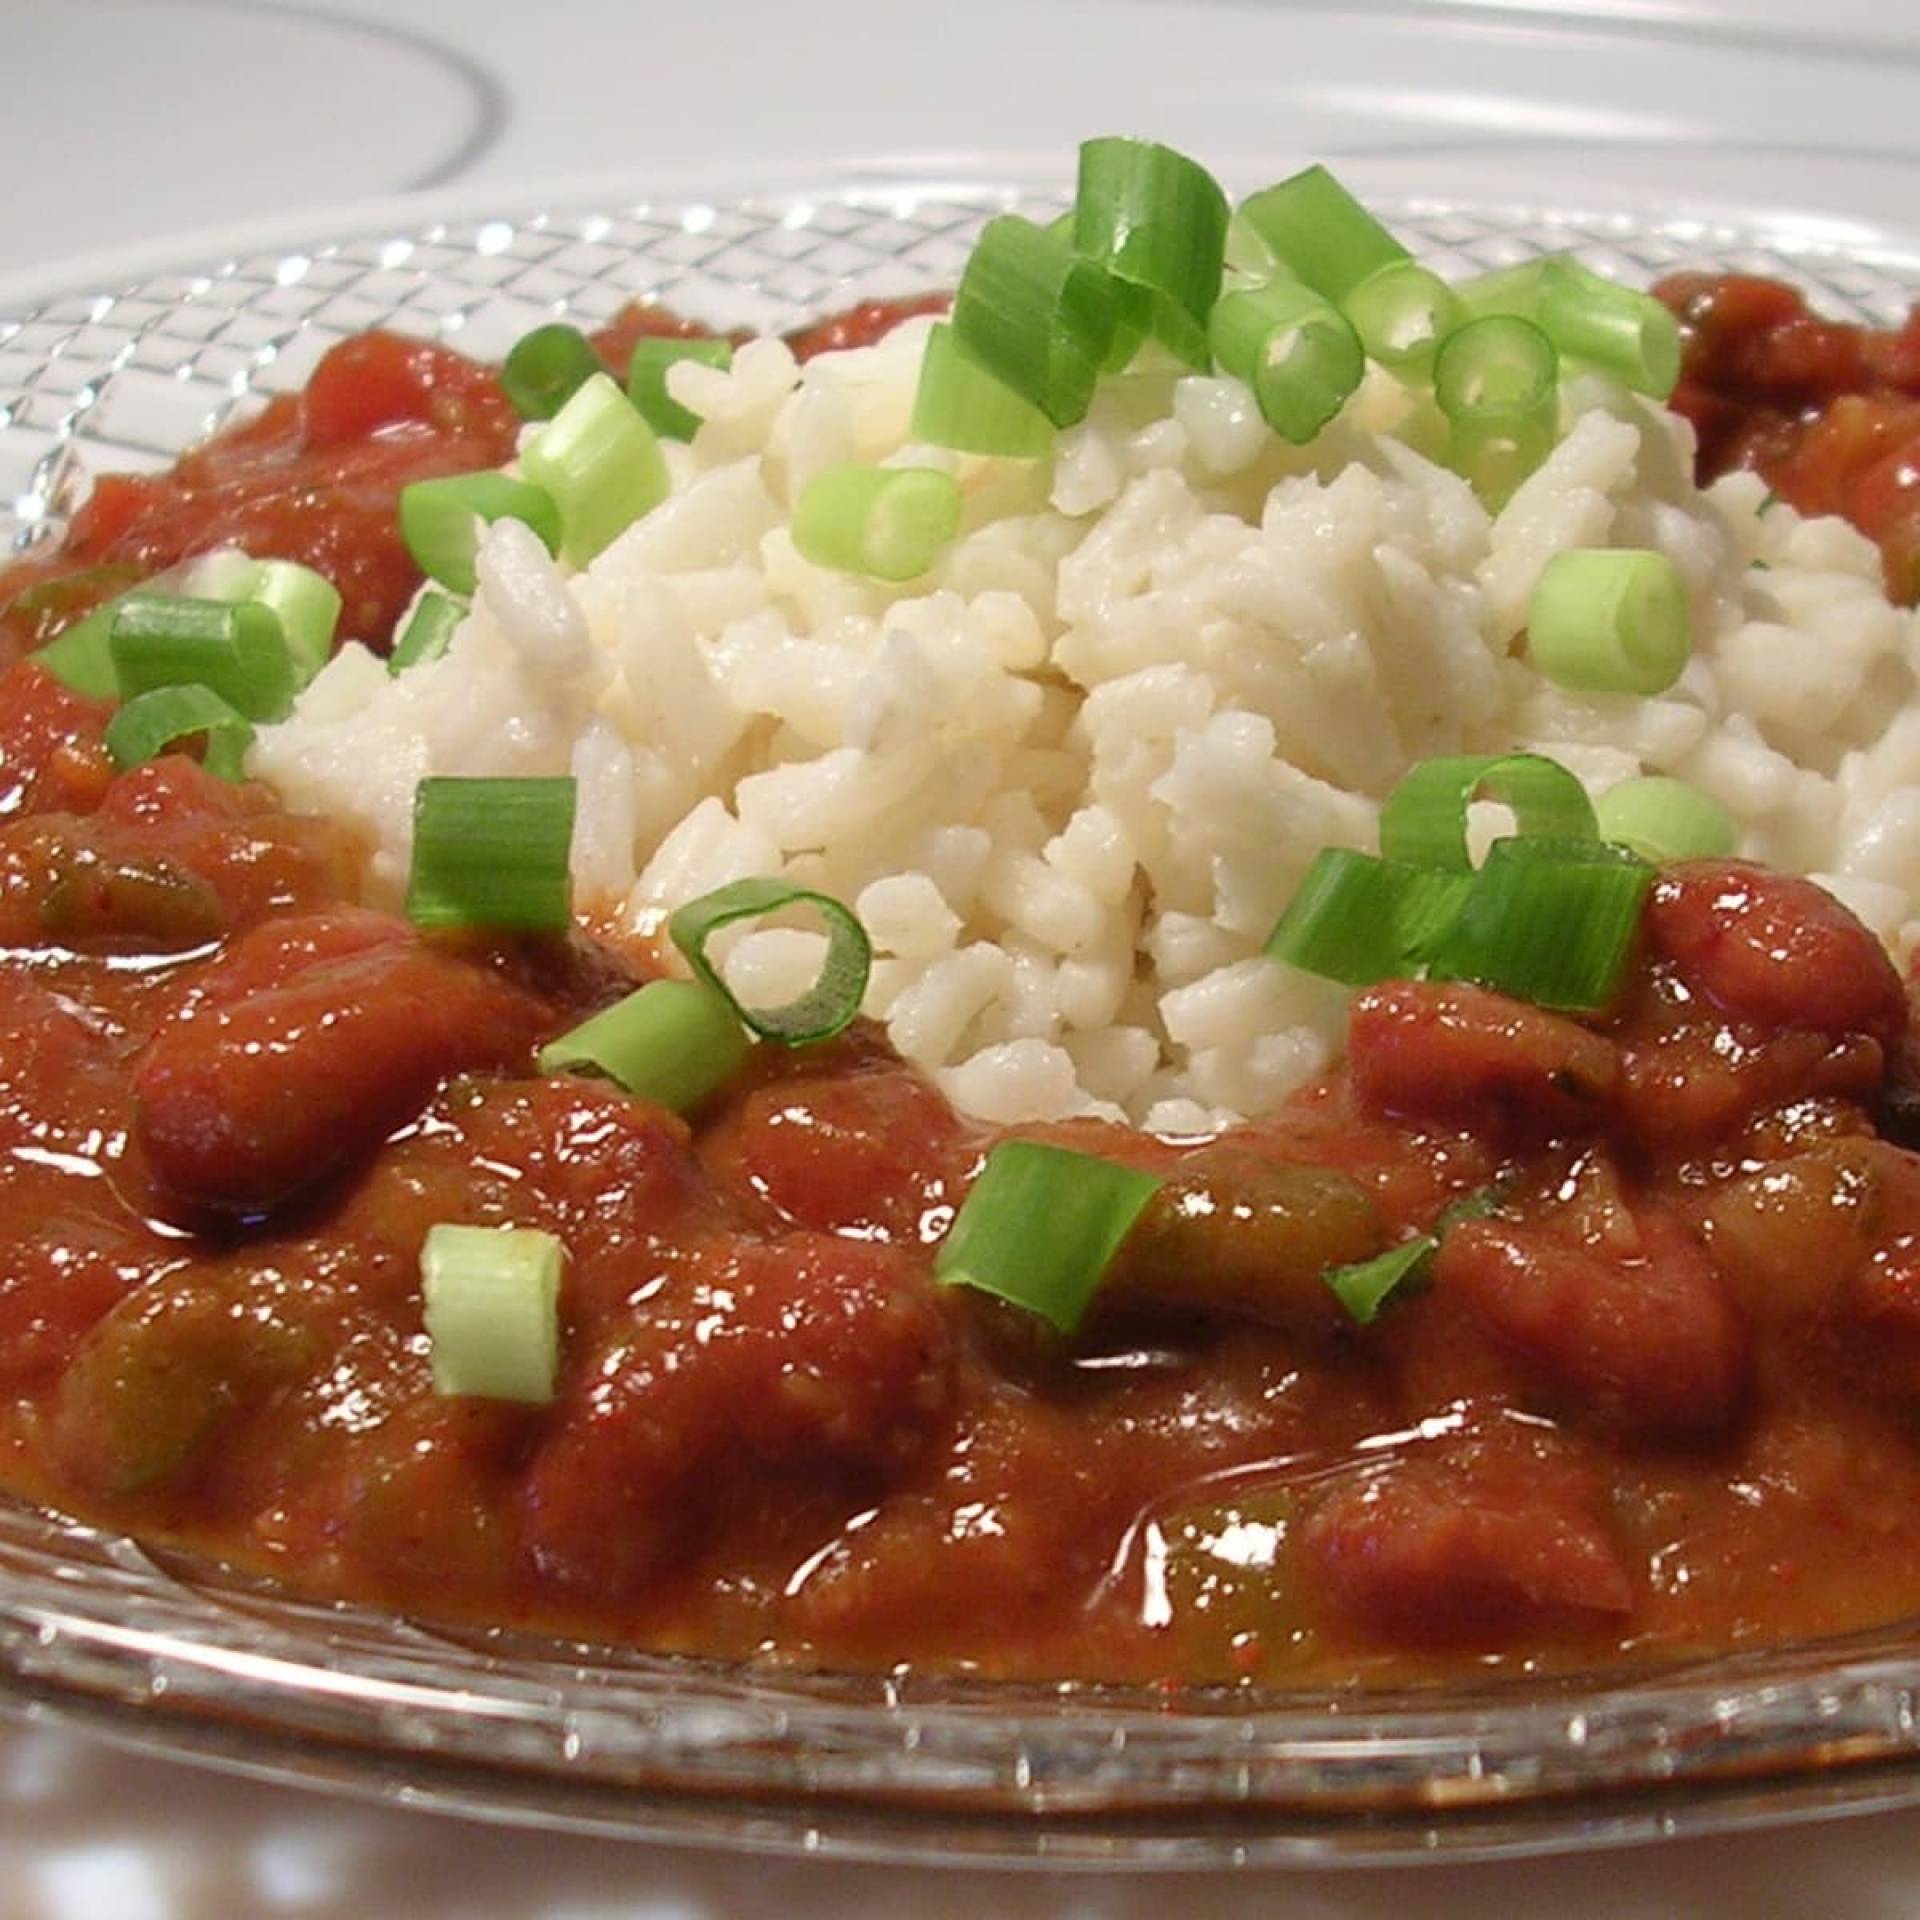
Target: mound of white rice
x=1070, y=778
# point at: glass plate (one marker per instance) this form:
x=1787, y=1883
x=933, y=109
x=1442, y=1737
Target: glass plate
x=187, y=1658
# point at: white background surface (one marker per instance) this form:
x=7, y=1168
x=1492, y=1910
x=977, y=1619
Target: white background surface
x=127, y=120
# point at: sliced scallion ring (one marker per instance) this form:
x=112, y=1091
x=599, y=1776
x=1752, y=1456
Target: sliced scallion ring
x=1320, y=233
x=428, y=630
x=1357, y=920
x=890, y=523
x=1402, y=312
x=834, y=998
x=1548, y=921
x=647, y=381
x=1157, y=221
x=1663, y=819
x=439, y=521
x=601, y=465
x=1298, y=353
x=1497, y=380
x=491, y=1303
x=1618, y=329
x=307, y=605
x=1038, y=317
x=236, y=649
x=959, y=404
x=1514, y=291
x=150, y=723
x=491, y=853
x=1424, y=820
x=544, y=369
x=1040, y=1226
x=674, y=1042
x=1610, y=620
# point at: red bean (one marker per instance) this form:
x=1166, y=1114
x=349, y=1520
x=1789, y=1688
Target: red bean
x=311, y=1041
x=1774, y=948
x=1462, y=1053
x=807, y=1354
x=1474, y=1545
x=875, y=1151
x=1649, y=1345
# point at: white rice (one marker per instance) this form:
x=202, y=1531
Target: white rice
x=1070, y=778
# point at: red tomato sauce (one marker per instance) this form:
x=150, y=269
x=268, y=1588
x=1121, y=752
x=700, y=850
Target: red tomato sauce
x=1828, y=413
x=1659, y=1399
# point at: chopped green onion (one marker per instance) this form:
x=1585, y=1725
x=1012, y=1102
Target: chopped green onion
x=1040, y=1226
x=1133, y=310
x=1137, y=313
x=829, y=1005
x=1424, y=820
x=1402, y=313
x=491, y=1303
x=1356, y=919
x=226, y=573
x=600, y=463
x=1320, y=233
x=428, y=631
x=1497, y=380
x=491, y=853
x=1622, y=331
x=1610, y=620
x=438, y=520
x=960, y=404
x=673, y=1042
x=544, y=369
x=150, y=723
x=1551, y=921
x=1365, y=1287
x=1300, y=355
x=1038, y=317
x=1663, y=819
x=236, y=649
x=82, y=656
x=307, y=605
x=1155, y=220
x=647, y=382
x=1514, y=291
x=890, y=523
